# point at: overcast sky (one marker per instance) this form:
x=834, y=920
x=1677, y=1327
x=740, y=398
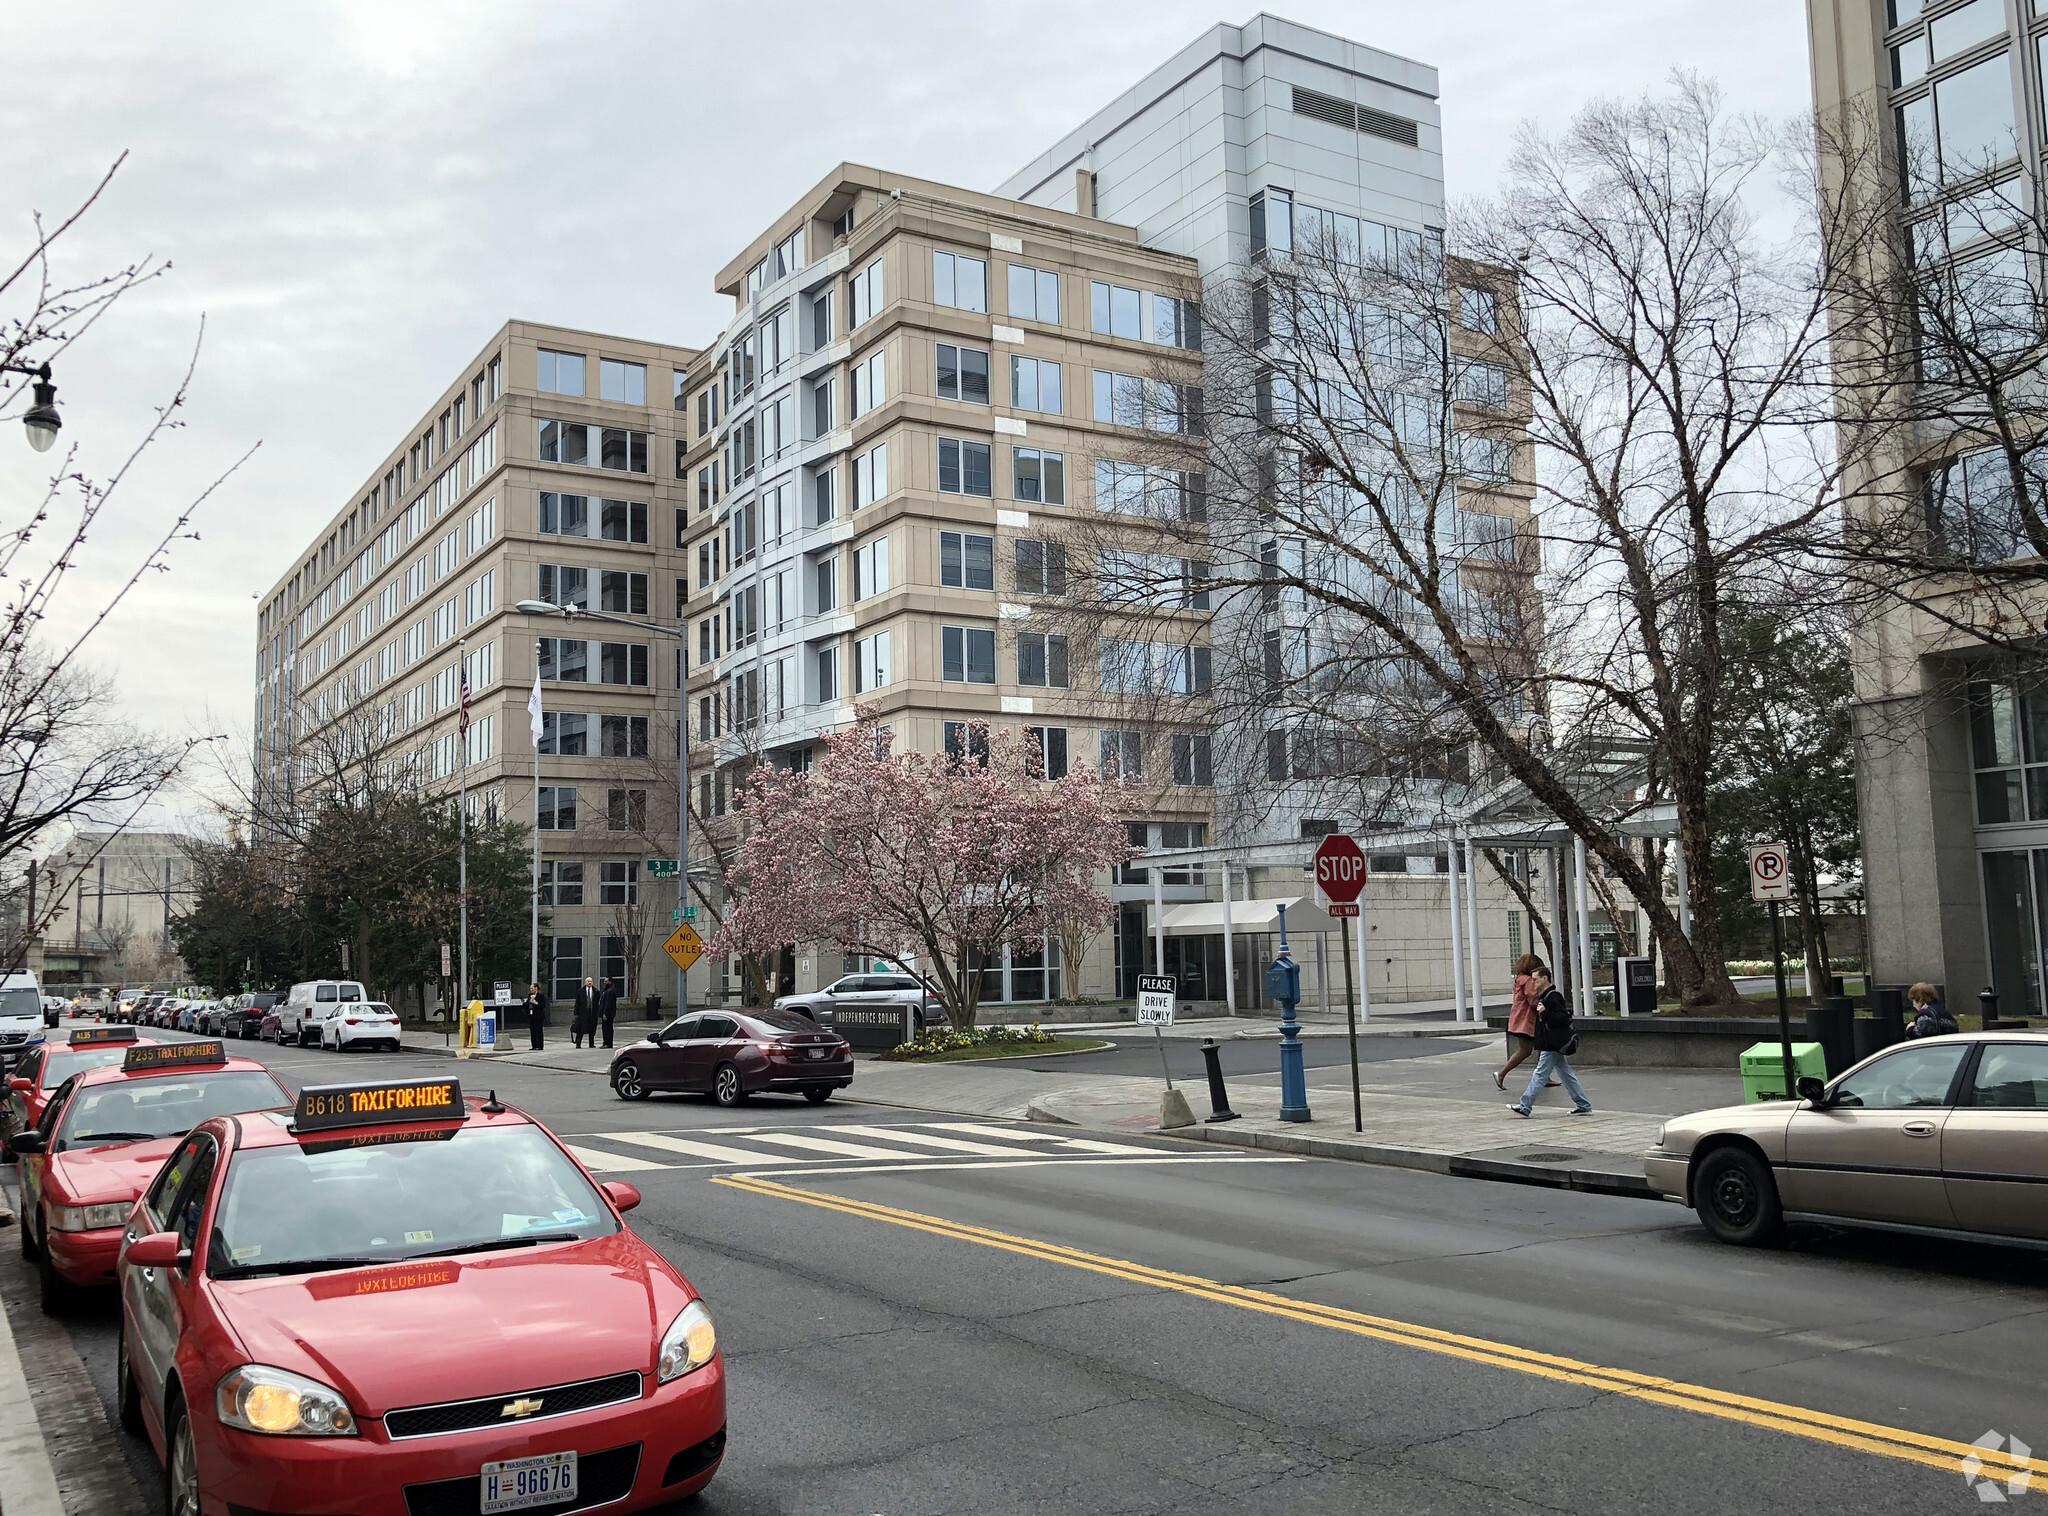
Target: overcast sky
x=356, y=195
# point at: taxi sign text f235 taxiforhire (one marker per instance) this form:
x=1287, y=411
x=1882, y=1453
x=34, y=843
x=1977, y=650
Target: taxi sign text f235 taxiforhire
x=1770, y=871
x=1155, y=999
x=173, y=1055
x=326, y=1106
x=94, y=1036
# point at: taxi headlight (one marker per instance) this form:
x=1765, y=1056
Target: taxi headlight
x=688, y=1343
x=1660, y=1133
x=88, y=1218
x=257, y=1398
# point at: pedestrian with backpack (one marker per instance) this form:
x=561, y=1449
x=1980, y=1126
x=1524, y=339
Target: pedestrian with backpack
x=1555, y=1043
x=1931, y=1018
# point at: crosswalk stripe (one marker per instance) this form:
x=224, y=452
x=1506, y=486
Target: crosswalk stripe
x=1081, y=1144
x=826, y=1145
x=609, y=1163
x=924, y=1140
x=717, y=1152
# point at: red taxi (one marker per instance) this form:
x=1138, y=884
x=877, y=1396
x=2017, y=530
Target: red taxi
x=40, y=1072
x=390, y=1301
x=101, y=1139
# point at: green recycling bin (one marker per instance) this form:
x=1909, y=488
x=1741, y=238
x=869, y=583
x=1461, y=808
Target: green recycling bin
x=1763, y=1069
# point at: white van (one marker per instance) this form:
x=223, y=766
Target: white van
x=21, y=1016
x=310, y=1004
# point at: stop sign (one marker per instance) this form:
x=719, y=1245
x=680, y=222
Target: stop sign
x=1340, y=868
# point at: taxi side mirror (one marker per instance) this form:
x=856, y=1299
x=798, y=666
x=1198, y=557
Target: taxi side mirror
x=621, y=1194
x=23, y=1085
x=159, y=1250
x=25, y=1142
x=1813, y=1090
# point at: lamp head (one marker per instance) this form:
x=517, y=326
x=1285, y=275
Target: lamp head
x=41, y=419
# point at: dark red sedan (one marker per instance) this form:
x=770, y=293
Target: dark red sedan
x=730, y=1055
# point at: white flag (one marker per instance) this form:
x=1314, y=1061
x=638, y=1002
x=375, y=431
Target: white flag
x=533, y=709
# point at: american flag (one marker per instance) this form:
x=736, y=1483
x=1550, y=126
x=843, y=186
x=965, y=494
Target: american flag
x=462, y=722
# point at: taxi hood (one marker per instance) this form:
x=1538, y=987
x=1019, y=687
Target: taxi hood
x=439, y=1329
x=117, y=1172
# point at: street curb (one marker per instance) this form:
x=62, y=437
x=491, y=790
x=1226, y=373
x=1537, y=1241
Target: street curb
x=1456, y=1165
x=915, y=1063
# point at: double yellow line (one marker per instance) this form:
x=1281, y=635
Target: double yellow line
x=1795, y=1421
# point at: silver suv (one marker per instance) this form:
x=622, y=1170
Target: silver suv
x=866, y=990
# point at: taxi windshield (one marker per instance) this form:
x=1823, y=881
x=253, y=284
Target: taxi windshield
x=60, y=1066
x=163, y=1105
x=312, y=1205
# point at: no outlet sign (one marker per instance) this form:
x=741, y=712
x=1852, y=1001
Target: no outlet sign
x=1340, y=869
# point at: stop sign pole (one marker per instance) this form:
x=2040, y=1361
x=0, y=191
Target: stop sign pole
x=1340, y=872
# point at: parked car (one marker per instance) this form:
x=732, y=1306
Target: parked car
x=271, y=1027
x=345, y=1025
x=245, y=1013
x=822, y=1006
x=296, y=1016
x=1943, y=1132
x=21, y=1015
x=730, y=1055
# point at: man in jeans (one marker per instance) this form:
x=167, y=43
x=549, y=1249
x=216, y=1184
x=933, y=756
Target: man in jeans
x=1553, y=1036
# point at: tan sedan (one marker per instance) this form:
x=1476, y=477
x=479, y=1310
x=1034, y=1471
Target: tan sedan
x=1946, y=1132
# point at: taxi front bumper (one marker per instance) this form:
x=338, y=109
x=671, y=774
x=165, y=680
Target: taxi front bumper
x=631, y=1457
x=1667, y=1173
x=85, y=1258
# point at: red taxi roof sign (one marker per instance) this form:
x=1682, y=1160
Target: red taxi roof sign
x=324, y=1107
x=94, y=1036
x=172, y=1055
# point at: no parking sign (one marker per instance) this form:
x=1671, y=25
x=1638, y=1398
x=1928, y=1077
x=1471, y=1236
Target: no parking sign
x=1770, y=871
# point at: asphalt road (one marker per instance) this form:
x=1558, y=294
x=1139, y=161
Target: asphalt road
x=1035, y=1324
x=1137, y=1053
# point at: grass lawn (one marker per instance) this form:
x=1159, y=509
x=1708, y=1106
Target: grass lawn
x=1011, y=1050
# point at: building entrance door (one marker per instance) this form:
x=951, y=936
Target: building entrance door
x=2015, y=896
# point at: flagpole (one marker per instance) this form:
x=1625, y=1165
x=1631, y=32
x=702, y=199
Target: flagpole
x=535, y=725
x=462, y=807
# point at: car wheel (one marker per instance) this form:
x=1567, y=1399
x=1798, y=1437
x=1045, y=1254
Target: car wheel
x=127, y=1397
x=57, y=1291
x=181, y=1466
x=727, y=1088
x=626, y=1082
x=818, y=1094
x=1737, y=1199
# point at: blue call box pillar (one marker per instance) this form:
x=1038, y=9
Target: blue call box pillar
x=1283, y=983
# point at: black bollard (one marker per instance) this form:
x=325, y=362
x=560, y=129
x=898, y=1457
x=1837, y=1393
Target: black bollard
x=1831, y=1025
x=1219, y=1102
x=1889, y=1006
x=1987, y=1003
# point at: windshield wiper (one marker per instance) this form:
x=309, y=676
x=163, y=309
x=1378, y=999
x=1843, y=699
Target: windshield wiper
x=118, y=1137
x=501, y=1242
x=306, y=1265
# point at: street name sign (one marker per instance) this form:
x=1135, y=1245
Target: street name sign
x=1770, y=871
x=685, y=947
x=1155, y=999
x=661, y=868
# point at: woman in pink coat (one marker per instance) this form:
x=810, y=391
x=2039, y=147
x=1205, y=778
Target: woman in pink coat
x=1521, y=1018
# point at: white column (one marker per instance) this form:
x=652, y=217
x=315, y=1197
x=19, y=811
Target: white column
x=1229, y=948
x=1323, y=968
x=1457, y=940
x=1472, y=925
x=1584, y=923
x=1364, y=970
x=1684, y=887
x=1158, y=920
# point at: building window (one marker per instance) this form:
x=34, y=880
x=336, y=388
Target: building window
x=1035, y=385
x=625, y=810
x=966, y=740
x=871, y=663
x=564, y=734
x=565, y=586
x=1034, y=294
x=1042, y=660
x=1041, y=567
x=865, y=296
x=1479, y=310
x=623, y=383
x=557, y=807
x=967, y=561
x=965, y=468
x=616, y=956
x=871, y=475
x=566, y=954
x=582, y=446
x=959, y=281
x=871, y=568
x=561, y=373
x=1038, y=477
x=1045, y=747
x=1484, y=385
x=968, y=655
x=870, y=383
x=618, y=883
x=623, y=592
x=623, y=736
x=1123, y=754
x=1191, y=760
x=561, y=883
x=828, y=673
x=962, y=373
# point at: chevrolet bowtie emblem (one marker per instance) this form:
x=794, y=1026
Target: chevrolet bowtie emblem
x=521, y=1407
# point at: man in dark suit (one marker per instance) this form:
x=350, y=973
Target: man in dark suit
x=536, y=1015
x=608, y=1008
x=584, y=1023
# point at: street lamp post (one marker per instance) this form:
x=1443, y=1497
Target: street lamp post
x=679, y=632
x=41, y=419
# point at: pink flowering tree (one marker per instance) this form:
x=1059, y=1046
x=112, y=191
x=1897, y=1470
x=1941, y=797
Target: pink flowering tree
x=922, y=859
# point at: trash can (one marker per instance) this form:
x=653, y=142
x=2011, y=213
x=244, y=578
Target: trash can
x=1635, y=986
x=487, y=1028
x=654, y=1008
x=1832, y=1025
x=1763, y=1069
